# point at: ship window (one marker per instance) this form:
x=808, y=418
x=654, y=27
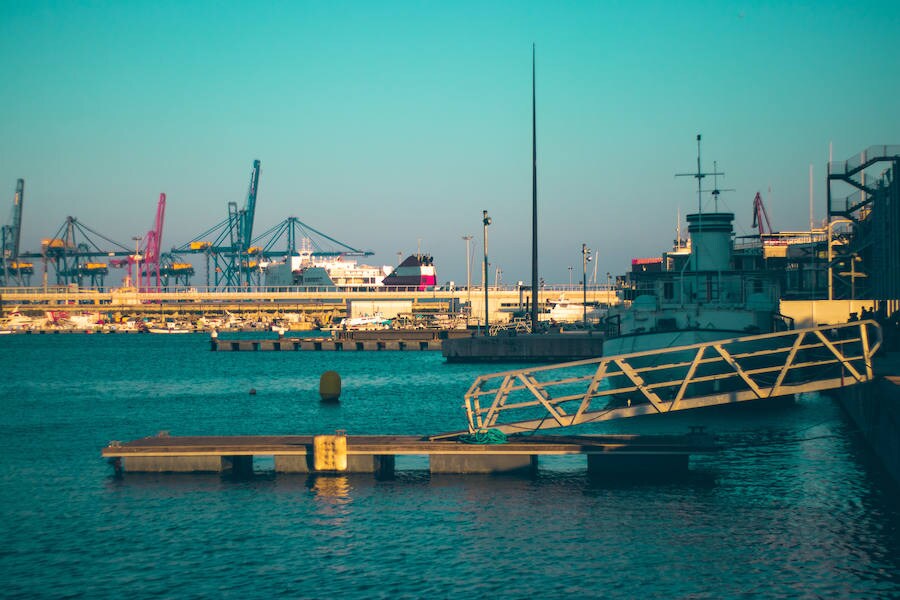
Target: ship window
x=669, y=290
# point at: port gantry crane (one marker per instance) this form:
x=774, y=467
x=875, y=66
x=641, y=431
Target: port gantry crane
x=71, y=250
x=151, y=258
x=13, y=270
x=292, y=230
x=760, y=216
x=231, y=250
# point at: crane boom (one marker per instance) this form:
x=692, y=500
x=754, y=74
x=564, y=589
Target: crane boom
x=18, y=201
x=246, y=222
x=152, y=243
x=760, y=216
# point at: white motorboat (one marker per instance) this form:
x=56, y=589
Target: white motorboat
x=170, y=327
x=376, y=321
x=566, y=311
x=16, y=321
x=167, y=330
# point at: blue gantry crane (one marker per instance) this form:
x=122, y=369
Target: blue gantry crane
x=13, y=270
x=230, y=253
x=292, y=232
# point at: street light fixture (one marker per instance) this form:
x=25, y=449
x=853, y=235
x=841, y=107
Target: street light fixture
x=570, y=276
x=468, y=239
x=585, y=259
x=137, y=261
x=608, y=289
x=486, y=220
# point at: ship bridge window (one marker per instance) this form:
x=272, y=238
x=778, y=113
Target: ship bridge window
x=668, y=290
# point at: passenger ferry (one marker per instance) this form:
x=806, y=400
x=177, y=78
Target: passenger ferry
x=308, y=269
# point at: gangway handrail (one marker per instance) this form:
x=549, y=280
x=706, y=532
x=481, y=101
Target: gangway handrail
x=678, y=378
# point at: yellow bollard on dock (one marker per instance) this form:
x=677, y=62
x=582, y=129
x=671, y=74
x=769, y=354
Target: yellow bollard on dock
x=330, y=386
x=330, y=452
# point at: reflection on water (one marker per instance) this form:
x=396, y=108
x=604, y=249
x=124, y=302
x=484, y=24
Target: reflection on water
x=331, y=490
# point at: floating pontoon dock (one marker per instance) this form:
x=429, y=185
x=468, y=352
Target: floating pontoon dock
x=338, y=454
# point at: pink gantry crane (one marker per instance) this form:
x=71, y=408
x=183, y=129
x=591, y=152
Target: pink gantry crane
x=760, y=216
x=150, y=255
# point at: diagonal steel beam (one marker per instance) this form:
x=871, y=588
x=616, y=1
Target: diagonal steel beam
x=638, y=381
x=838, y=354
x=687, y=378
x=737, y=369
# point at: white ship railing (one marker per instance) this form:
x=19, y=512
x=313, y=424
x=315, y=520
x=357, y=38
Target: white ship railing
x=670, y=379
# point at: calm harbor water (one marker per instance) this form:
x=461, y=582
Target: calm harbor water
x=792, y=507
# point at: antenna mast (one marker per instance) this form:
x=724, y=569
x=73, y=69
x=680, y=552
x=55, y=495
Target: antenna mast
x=699, y=175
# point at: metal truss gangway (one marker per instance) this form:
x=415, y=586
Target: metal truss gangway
x=672, y=379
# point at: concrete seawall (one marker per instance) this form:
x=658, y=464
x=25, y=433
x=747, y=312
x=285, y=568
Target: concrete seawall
x=528, y=348
x=875, y=408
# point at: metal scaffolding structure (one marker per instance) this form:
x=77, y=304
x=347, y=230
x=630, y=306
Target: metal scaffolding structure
x=867, y=263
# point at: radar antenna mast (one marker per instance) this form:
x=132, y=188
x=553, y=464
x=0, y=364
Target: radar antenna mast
x=699, y=175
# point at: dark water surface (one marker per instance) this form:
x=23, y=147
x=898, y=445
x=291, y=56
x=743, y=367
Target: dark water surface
x=791, y=508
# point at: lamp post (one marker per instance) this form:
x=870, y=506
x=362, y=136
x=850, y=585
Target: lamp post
x=608, y=289
x=137, y=261
x=486, y=220
x=585, y=258
x=468, y=238
x=570, y=276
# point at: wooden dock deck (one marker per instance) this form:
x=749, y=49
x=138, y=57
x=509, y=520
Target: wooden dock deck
x=376, y=454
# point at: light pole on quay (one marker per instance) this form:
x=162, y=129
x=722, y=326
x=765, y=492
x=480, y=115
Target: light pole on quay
x=486, y=220
x=468, y=238
x=585, y=259
x=137, y=262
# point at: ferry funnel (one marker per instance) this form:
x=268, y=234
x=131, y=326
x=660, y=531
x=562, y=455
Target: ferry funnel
x=710, y=240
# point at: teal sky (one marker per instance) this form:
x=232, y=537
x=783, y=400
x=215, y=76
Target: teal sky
x=386, y=123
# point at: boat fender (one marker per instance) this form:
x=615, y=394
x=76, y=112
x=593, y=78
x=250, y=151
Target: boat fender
x=330, y=386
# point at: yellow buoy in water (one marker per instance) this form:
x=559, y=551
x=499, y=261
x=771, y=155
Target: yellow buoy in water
x=330, y=386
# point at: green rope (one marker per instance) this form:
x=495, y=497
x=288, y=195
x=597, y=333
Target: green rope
x=484, y=436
